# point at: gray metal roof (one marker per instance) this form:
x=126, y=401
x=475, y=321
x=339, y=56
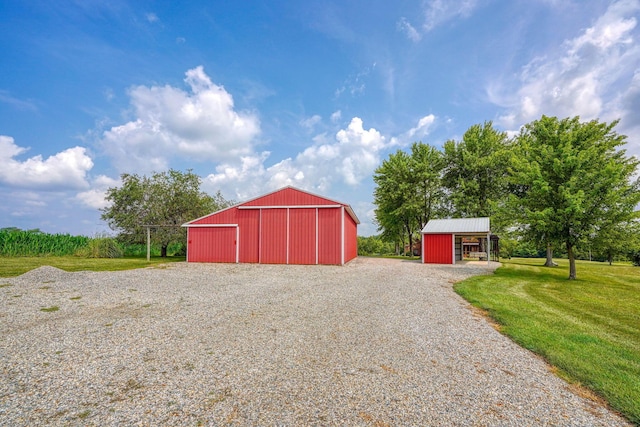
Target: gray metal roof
x=457, y=225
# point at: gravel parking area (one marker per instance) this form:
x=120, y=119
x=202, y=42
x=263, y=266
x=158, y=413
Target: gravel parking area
x=373, y=343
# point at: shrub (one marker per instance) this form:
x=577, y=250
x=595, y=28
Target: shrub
x=101, y=247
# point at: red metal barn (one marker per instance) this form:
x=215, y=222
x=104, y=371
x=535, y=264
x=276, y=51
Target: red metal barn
x=443, y=240
x=288, y=226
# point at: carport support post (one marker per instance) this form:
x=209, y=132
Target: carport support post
x=148, y=243
x=488, y=248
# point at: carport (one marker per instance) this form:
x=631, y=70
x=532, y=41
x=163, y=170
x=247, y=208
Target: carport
x=445, y=241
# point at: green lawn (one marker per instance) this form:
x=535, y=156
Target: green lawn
x=588, y=328
x=15, y=266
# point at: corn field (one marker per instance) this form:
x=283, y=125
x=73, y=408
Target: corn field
x=15, y=242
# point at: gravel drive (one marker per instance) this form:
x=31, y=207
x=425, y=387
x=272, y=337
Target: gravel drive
x=373, y=343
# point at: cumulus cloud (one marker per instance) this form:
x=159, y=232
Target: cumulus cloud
x=198, y=124
x=583, y=78
x=63, y=171
x=95, y=197
x=347, y=158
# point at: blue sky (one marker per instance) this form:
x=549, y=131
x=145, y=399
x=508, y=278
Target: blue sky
x=256, y=95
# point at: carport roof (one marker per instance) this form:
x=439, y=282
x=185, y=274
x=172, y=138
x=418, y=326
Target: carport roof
x=457, y=226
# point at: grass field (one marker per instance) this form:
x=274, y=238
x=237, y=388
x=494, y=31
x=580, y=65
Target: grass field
x=15, y=266
x=587, y=328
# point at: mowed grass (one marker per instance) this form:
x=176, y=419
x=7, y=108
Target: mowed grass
x=15, y=266
x=587, y=328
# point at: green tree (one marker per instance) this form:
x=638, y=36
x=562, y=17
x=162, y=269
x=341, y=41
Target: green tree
x=577, y=180
x=476, y=169
x=426, y=166
x=615, y=240
x=370, y=245
x=408, y=192
x=395, y=212
x=167, y=200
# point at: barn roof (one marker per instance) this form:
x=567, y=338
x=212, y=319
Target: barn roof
x=457, y=225
x=255, y=202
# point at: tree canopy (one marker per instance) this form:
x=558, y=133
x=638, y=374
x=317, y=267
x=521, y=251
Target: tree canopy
x=166, y=199
x=577, y=180
x=560, y=183
x=476, y=171
x=409, y=192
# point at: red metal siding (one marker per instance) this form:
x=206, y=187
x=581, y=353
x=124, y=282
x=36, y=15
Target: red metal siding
x=302, y=236
x=289, y=197
x=350, y=238
x=329, y=228
x=228, y=216
x=273, y=236
x=282, y=235
x=249, y=223
x=212, y=244
x=437, y=248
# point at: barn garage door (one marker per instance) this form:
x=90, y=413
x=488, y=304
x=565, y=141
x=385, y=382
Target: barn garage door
x=302, y=236
x=212, y=244
x=437, y=248
x=273, y=236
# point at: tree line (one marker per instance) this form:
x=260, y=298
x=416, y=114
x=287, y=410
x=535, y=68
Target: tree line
x=560, y=183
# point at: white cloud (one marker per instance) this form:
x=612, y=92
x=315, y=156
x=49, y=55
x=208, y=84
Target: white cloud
x=592, y=75
x=423, y=127
x=348, y=158
x=64, y=170
x=406, y=27
x=336, y=116
x=440, y=11
x=436, y=13
x=18, y=104
x=95, y=197
x=199, y=124
x=152, y=17
x=310, y=122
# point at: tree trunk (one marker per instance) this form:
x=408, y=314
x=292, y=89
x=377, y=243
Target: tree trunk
x=163, y=251
x=572, y=262
x=549, y=262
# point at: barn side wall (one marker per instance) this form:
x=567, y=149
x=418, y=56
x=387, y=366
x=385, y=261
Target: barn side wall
x=350, y=238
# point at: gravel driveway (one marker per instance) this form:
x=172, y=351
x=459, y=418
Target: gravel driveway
x=373, y=343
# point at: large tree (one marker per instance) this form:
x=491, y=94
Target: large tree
x=408, y=191
x=476, y=171
x=577, y=179
x=165, y=200
x=394, y=212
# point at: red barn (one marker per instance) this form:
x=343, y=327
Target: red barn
x=288, y=226
x=445, y=241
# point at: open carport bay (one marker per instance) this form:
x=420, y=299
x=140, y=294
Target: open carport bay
x=375, y=342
